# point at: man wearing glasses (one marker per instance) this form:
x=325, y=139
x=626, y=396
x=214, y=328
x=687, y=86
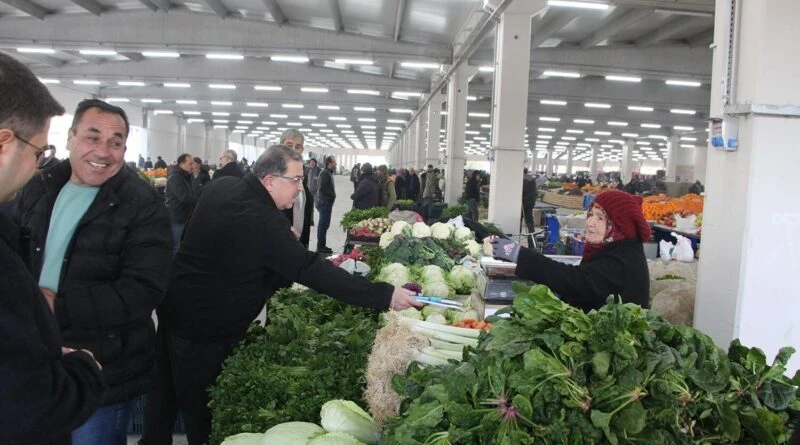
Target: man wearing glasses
x=219, y=284
x=48, y=390
x=228, y=165
x=101, y=253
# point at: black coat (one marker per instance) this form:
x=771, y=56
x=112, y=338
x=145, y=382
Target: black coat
x=472, y=189
x=528, y=191
x=114, y=275
x=237, y=250
x=200, y=180
x=230, y=169
x=45, y=395
x=180, y=196
x=366, y=194
x=326, y=191
x=160, y=164
x=412, y=187
x=400, y=186
x=618, y=269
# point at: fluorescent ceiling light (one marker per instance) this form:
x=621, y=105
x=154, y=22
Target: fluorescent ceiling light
x=685, y=12
x=257, y=104
x=394, y=128
x=630, y=135
x=221, y=103
x=397, y=121
x=353, y=61
x=318, y=124
x=568, y=138
x=553, y=102
x=478, y=114
x=617, y=124
x=486, y=69
x=370, y=109
x=30, y=50
x=592, y=140
x=656, y=136
x=576, y=4
x=49, y=80
x=603, y=133
x=366, y=119
x=682, y=111
x=162, y=112
x=186, y=102
x=309, y=117
x=683, y=83
x=267, y=88
x=290, y=59
x=575, y=131
x=327, y=107
x=117, y=99
x=292, y=106
x=220, y=113
x=365, y=92
x=98, y=52
x=638, y=108
x=269, y=123
x=337, y=118
x=616, y=141
x=486, y=125
x=400, y=110
x=192, y=113
x=607, y=146
x=547, y=130
x=410, y=94
x=314, y=89
x=688, y=138
x=220, y=121
x=544, y=136
x=222, y=86
x=220, y=126
x=583, y=121
x=633, y=79
x=86, y=82
x=224, y=56
x=651, y=126
x=151, y=101
x=683, y=128
x=177, y=85
x=194, y=121
x=596, y=105
x=568, y=74
x=428, y=65
x=550, y=119
x=642, y=143
x=248, y=114
x=687, y=145
x=161, y=54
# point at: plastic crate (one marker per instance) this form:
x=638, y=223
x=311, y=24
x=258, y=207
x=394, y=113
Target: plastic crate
x=136, y=424
x=553, y=228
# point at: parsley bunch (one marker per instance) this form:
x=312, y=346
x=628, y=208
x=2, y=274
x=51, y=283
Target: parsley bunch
x=313, y=349
x=619, y=375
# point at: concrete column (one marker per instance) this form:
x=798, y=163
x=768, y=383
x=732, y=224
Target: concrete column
x=456, y=127
x=434, y=125
x=569, y=160
x=510, y=110
x=593, y=168
x=549, y=162
x=411, y=148
x=422, y=138
x=626, y=162
x=700, y=157
x=672, y=157
x=748, y=274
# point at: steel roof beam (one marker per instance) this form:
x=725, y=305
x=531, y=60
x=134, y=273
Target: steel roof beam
x=399, y=17
x=669, y=29
x=149, y=5
x=617, y=22
x=42, y=58
x=336, y=14
x=91, y=6
x=551, y=26
x=29, y=7
x=275, y=11
x=219, y=9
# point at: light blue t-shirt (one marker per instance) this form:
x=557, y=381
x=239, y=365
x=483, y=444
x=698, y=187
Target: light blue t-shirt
x=72, y=203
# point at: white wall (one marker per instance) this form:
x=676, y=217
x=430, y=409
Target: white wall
x=194, y=141
x=163, y=139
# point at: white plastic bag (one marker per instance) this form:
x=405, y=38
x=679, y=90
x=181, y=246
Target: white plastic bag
x=686, y=224
x=683, y=249
x=665, y=249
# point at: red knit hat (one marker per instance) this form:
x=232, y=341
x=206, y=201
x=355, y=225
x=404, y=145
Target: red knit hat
x=625, y=212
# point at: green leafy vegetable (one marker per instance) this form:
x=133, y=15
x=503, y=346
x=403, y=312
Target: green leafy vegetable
x=354, y=216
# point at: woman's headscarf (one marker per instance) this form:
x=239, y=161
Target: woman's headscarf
x=624, y=212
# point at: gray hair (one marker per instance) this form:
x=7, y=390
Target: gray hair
x=274, y=161
x=230, y=154
x=292, y=133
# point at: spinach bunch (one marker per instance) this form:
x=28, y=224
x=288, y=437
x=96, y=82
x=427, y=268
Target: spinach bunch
x=313, y=349
x=420, y=251
x=620, y=375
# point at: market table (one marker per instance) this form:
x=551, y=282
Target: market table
x=352, y=241
x=662, y=232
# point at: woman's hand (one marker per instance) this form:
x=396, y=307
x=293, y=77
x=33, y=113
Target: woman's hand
x=503, y=249
x=403, y=299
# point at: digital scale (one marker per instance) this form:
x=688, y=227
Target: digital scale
x=495, y=278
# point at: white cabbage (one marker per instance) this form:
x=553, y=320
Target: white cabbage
x=441, y=230
x=386, y=239
x=398, y=226
x=244, y=439
x=344, y=416
x=334, y=439
x=420, y=230
x=463, y=233
x=291, y=433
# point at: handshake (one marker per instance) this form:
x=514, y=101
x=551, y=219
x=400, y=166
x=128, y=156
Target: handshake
x=501, y=249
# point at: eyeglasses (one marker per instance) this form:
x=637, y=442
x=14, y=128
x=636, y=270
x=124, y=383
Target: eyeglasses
x=297, y=179
x=43, y=154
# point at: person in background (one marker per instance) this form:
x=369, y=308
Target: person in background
x=697, y=188
x=431, y=180
x=472, y=194
x=423, y=179
x=148, y=164
x=528, y=199
x=313, y=172
x=200, y=173
x=366, y=195
x=325, y=197
x=400, y=183
x=228, y=165
x=387, y=194
x=355, y=175
x=180, y=197
x=140, y=163
x=244, y=166
x=412, y=185
x=220, y=284
x=48, y=390
x=101, y=253
x=160, y=163
x=302, y=214
x=613, y=258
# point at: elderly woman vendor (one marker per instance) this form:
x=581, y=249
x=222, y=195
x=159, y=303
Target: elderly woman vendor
x=613, y=259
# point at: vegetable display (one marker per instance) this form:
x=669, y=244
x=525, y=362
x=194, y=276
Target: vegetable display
x=453, y=211
x=619, y=375
x=313, y=349
x=354, y=216
x=371, y=227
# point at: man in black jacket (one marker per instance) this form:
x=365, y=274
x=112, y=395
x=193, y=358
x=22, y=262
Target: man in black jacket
x=180, y=197
x=220, y=284
x=326, y=195
x=228, y=165
x=412, y=185
x=528, y=198
x=160, y=163
x=47, y=390
x=367, y=194
x=301, y=215
x=101, y=253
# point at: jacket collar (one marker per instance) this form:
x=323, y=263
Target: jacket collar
x=258, y=188
x=58, y=175
x=10, y=232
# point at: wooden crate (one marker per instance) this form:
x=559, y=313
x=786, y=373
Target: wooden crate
x=566, y=201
